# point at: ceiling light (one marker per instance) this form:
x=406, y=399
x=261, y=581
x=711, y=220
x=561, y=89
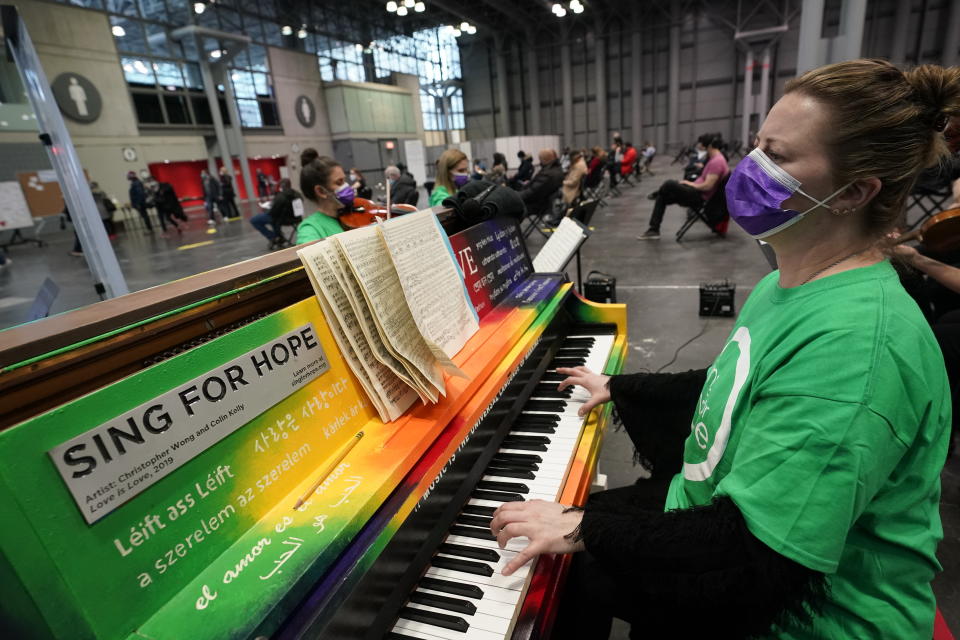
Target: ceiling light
x=199, y=7
x=464, y=25
x=302, y=33
x=576, y=7
x=409, y=4
x=456, y=32
x=391, y=6
x=118, y=31
x=556, y=8
x=216, y=53
x=560, y=12
x=419, y=7
x=286, y=30
x=471, y=29
x=358, y=47
x=401, y=10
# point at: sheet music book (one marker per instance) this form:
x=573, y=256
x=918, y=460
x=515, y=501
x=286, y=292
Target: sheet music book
x=562, y=245
x=395, y=301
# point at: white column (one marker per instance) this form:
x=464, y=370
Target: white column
x=533, y=85
x=853, y=15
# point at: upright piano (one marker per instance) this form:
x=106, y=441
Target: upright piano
x=152, y=449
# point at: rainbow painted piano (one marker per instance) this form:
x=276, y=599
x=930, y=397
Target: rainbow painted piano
x=152, y=449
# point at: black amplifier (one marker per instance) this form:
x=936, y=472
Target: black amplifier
x=600, y=287
x=716, y=298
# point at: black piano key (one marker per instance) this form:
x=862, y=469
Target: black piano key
x=474, y=521
x=514, y=438
x=518, y=465
x=496, y=496
x=535, y=428
x=393, y=635
x=518, y=457
x=465, y=589
x=478, y=510
x=551, y=392
x=436, y=619
x=553, y=377
x=524, y=446
x=579, y=342
x=477, y=553
x=567, y=362
x=471, y=532
x=573, y=352
x=507, y=472
x=545, y=405
x=539, y=418
x=465, y=566
x=444, y=602
x=506, y=487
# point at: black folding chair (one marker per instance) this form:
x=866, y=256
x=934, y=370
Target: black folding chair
x=929, y=201
x=711, y=213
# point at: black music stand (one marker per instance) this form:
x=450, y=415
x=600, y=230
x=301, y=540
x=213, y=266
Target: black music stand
x=570, y=250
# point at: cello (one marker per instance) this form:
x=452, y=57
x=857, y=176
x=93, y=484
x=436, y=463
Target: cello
x=940, y=233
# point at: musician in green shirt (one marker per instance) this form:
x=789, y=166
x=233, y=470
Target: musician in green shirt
x=323, y=180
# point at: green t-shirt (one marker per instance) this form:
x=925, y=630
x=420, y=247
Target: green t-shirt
x=438, y=195
x=825, y=419
x=317, y=226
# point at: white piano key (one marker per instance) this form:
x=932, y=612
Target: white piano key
x=538, y=485
x=490, y=593
x=420, y=635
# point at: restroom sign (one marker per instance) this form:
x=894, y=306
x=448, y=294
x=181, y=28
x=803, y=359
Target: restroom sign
x=77, y=98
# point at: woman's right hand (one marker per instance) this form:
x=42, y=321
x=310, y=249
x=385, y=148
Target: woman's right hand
x=594, y=383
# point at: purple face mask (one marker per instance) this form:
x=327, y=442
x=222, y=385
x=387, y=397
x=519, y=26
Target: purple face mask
x=346, y=195
x=755, y=191
x=460, y=179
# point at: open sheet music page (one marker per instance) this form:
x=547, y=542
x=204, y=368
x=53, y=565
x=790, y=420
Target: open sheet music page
x=371, y=264
x=382, y=350
x=431, y=281
x=388, y=392
x=561, y=246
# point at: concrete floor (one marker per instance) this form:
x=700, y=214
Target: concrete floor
x=659, y=281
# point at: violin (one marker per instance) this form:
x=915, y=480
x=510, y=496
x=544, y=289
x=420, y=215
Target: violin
x=366, y=212
x=940, y=233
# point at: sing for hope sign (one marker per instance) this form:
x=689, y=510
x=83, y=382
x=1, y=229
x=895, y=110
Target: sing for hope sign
x=113, y=462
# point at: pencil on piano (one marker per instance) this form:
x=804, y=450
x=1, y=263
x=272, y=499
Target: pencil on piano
x=329, y=469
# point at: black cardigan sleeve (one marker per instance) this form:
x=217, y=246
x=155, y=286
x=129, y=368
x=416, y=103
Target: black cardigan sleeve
x=704, y=555
x=655, y=410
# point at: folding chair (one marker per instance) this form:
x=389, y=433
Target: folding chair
x=929, y=201
x=712, y=213
x=534, y=220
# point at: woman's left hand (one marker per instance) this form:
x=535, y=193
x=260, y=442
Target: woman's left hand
x=544, y=523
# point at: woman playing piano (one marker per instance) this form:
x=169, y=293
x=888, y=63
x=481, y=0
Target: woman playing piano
x=804, y=500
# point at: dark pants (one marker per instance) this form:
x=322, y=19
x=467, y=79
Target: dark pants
x=228, y=207
x=209, y=206
x=672, y=192
x=263, y=223
x=142, y=210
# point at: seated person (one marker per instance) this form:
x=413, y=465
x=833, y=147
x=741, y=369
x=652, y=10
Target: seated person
x=279, y=213
x=696, y=160
x=359, y=184
x=595, y=167
x=538, y=194
x=524, y=171
x=324, y=181
x=574, y=178
x=452, y=167
x=649, y=151
x=403, y=188
x=687, y=193
x=629, y=159
x=805, y=499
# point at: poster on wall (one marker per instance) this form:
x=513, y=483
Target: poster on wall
x=14, y=213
